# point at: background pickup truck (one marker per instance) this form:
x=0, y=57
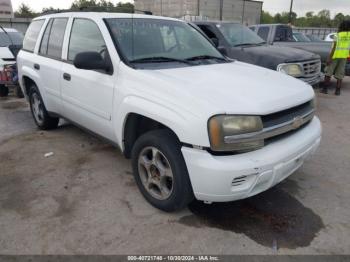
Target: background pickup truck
x=282, y=35
x=239, y=42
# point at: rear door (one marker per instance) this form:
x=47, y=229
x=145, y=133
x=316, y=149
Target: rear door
x=48, y=63
x=87, y=95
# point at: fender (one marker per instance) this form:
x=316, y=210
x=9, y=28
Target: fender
x=29, y=72
x=176, y=121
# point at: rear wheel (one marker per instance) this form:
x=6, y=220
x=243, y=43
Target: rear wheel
x=160, y=171
x=39, y=112
x=4, y=91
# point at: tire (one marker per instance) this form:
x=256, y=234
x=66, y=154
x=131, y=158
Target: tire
x=4, y=91
x=18, y=92
x=157, y=157
x=39, y=112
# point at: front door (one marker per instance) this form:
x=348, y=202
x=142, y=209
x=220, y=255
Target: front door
x=87, y=95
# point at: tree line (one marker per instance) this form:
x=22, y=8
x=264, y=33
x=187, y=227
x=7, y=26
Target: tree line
x=311, y=19
x=24, y=11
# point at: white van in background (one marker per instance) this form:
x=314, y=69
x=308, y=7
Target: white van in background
x=11, y=42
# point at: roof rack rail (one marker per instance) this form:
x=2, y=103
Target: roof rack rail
x=96, y=9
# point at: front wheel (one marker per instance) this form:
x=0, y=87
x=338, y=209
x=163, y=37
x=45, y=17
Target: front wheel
x=160, y=171
x=39, y=112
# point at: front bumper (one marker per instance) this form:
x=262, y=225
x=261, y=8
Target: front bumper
x=228, y=178
x=313, y=80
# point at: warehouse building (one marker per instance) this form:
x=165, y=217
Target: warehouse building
x=6, y=10
x=245, y=11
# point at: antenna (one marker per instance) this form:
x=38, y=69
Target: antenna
x=95, y=9
x=132, y=36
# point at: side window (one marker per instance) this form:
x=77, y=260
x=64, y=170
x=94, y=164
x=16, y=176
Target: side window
x=263, y=32
x=52, y=42
x=85, y=37
x=45, y=39
x=32, y=35
x=284, y=34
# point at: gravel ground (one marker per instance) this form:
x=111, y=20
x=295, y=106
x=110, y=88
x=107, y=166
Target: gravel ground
x=83, y=199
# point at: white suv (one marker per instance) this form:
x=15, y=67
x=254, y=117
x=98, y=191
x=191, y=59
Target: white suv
x=194, y=123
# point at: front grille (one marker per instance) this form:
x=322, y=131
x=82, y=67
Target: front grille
x=311, y=68
x=286, y=115
x=277, y=124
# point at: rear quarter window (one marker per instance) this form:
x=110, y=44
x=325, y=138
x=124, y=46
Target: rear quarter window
x=32, y=34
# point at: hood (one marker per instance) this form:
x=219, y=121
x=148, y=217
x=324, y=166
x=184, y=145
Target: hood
x=321, y=48
x=5, y=53
x=271, y=56
x=231, y=88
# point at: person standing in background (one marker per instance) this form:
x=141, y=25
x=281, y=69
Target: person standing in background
x=338, y=58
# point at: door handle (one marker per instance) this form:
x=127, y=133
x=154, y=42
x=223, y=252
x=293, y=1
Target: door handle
x=66, y=76
x=37, y=66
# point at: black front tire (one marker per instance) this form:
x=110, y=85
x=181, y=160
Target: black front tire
x=4, y=91
x=45, y=121
x=169, y=146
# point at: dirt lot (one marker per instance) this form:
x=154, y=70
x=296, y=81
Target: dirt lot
x=83, y=200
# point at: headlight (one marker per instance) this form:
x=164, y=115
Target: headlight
x=224, y=126
x=294, y=70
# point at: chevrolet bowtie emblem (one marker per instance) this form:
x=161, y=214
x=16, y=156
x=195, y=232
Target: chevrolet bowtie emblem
x=297, y=122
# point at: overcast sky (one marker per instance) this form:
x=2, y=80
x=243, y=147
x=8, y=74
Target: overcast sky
x=273, y=6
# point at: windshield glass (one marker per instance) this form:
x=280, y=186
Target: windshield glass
x=159, y=40
x=299, y=37
x=237, y=34
x=11, y=38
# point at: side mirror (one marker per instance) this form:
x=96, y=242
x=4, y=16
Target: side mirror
x=90, y=61
x=215, y=41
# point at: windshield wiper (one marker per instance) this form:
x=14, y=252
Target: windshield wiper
x=247, y=44
x=205, y=57
x=159, y=59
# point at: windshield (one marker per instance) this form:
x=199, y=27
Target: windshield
x=11, y=38
x=299, y=37
x=237, y=34
x=160, y=41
